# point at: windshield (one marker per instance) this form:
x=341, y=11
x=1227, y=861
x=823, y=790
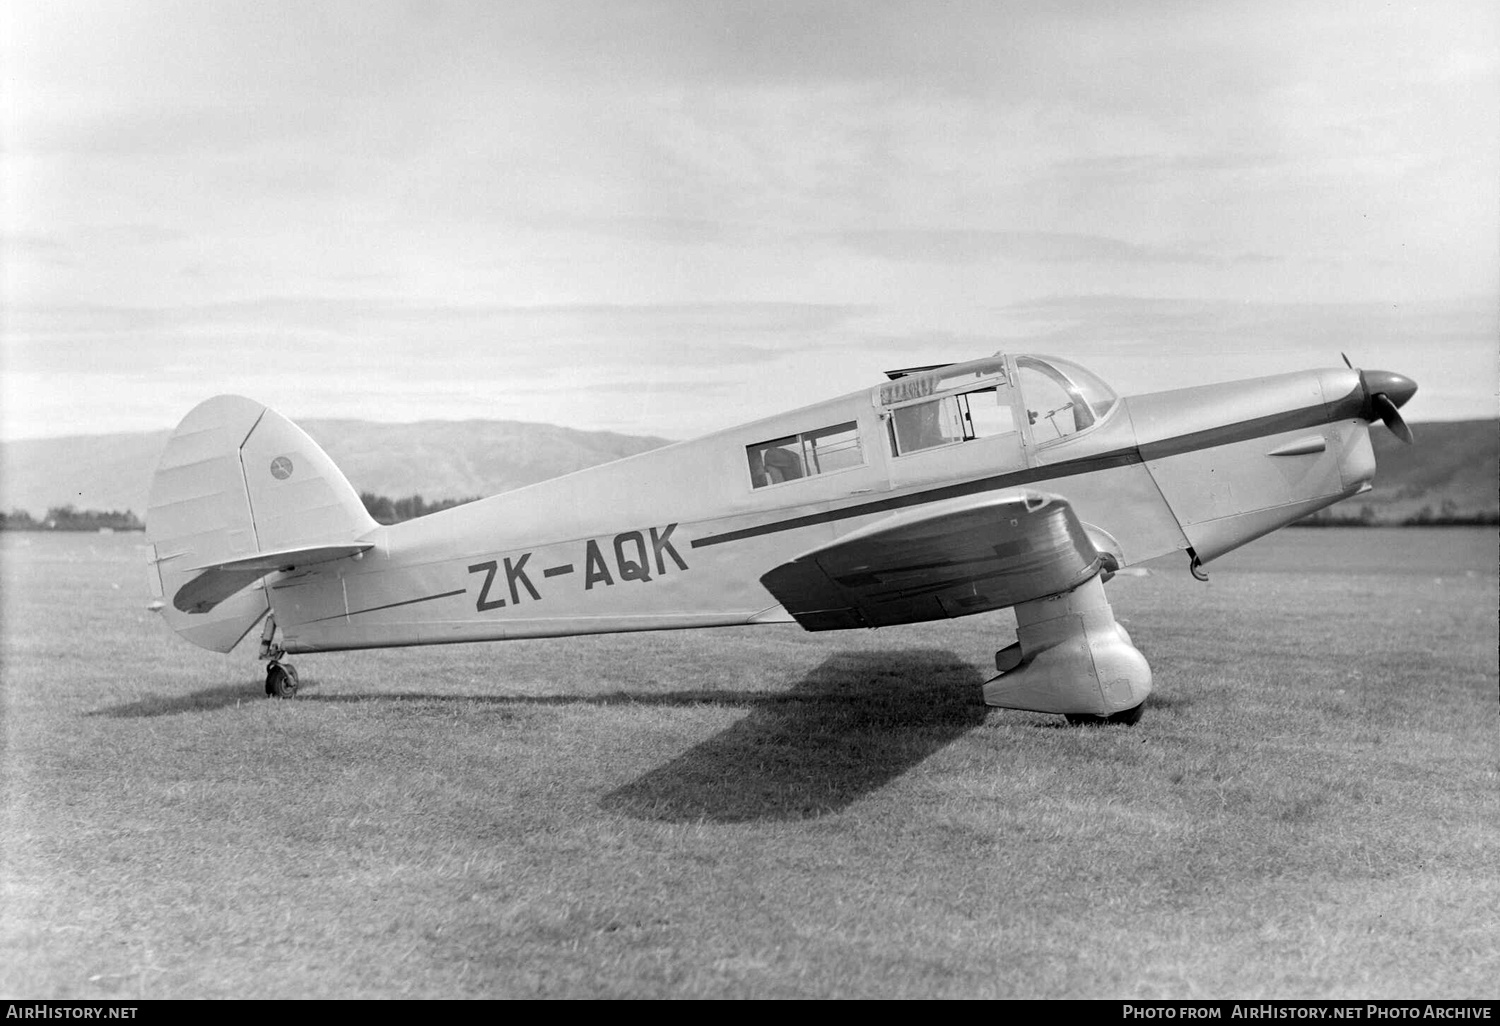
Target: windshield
x=1061, y=397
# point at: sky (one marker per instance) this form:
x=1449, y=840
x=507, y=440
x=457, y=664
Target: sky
x=672, y=217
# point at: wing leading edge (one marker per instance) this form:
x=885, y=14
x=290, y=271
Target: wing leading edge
x=948, y=559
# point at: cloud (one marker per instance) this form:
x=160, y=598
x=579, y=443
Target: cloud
x=313, y=337
x=520, y=197
x=47, y=249
x=672, y=230
x=1194, y=323
x=969, y=245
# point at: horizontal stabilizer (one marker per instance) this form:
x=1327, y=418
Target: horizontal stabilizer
x=217, y=581
x=290, y=559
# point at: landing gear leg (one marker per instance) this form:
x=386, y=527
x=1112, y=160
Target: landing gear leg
x=1072, y=657
x=281, y=678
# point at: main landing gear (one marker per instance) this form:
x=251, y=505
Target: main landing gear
x=1072, y=657
x=281, y=678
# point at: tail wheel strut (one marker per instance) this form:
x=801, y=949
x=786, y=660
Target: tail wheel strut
x=281, y=678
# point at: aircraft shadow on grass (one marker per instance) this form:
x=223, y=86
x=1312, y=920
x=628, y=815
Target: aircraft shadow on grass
x=852, y=725
x=224, y=696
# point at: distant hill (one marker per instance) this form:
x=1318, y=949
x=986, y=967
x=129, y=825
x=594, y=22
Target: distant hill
x=1452, y=462
x=436, y=459
x=1454, y=466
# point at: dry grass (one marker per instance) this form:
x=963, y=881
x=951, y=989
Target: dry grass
x=1308, y=808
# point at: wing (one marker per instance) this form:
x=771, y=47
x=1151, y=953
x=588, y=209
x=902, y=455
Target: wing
x=948, y=559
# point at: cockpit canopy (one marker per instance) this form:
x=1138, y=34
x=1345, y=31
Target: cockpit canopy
x=1061, y=397
x=949, y=403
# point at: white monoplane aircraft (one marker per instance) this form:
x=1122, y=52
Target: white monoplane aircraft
x=1011, y=481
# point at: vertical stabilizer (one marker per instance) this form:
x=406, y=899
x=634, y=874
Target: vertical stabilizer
x=237, y=479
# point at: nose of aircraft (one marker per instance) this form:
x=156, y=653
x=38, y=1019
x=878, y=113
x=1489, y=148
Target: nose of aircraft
x=1385, y=393
x=1398, y=387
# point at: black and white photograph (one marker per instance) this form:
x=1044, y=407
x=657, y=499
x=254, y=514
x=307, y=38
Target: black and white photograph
x=751, y=500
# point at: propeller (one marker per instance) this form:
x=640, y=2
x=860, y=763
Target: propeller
x=1385, y=393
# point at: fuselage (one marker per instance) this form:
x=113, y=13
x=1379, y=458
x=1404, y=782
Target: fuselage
x=680, y=536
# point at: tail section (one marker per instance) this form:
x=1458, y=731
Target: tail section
x=242, y=492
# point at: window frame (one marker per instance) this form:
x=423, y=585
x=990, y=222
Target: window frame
x=805, y=444
x=998, y=380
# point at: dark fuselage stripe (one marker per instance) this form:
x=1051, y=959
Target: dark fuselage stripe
x=1275, y=424
x=1242, y=431
x=1104, y=461
x=391, y=605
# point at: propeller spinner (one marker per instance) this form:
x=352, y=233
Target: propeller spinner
x=1385, y=393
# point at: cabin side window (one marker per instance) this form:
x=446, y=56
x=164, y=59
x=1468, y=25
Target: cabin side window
x=802, y=455
x=950, y=419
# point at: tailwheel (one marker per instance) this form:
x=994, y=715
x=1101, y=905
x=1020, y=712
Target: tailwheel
x=1129, y=717
x=281, y=680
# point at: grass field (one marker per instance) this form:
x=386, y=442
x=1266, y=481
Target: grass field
x=1309, y=808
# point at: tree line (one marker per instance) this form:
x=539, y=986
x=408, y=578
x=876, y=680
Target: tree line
x=69, y=518
x=386, y=510
x=1447, y=515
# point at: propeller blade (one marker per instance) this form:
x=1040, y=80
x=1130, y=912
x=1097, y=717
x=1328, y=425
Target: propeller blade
x=1382, y=404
